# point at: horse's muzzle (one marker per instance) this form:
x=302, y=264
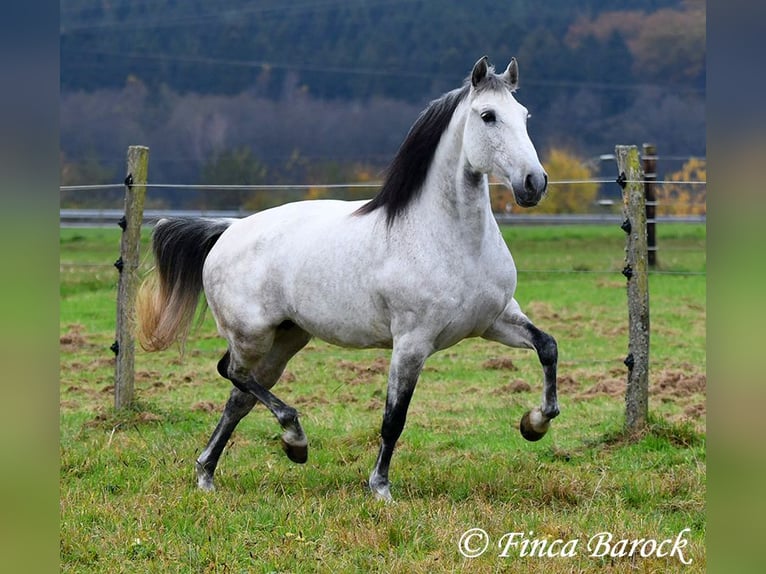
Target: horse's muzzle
x=534, y=188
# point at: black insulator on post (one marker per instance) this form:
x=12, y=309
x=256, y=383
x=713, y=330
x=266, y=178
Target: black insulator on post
x=119, y=264
x=628, y=272
x=115, y=348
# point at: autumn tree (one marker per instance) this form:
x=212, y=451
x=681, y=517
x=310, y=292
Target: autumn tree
x=683, y=197
x=659, y=50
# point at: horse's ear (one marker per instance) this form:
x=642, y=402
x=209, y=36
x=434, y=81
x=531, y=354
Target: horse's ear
x=511, y=74
x=480, y=69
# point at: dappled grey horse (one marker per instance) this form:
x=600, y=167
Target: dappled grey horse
x=416, y=269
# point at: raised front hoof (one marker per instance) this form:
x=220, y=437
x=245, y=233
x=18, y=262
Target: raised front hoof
x=299, y=453
x=533, y=425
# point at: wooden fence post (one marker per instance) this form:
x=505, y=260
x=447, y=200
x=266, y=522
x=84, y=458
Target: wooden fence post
x=127, y=265
x=637, y=273
x=649, y=161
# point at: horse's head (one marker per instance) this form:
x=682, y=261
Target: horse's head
x=495, y=139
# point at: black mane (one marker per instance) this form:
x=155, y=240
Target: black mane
x=408, y=170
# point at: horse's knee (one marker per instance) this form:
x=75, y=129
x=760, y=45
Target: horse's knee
x=225, y=370
x=547, y=349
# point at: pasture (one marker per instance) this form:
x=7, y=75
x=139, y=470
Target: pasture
x=129, y=502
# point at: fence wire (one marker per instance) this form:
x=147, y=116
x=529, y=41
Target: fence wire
x=66, y=266
x=354, y=185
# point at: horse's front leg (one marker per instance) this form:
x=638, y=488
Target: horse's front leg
x=406, y=364
x=513, y=328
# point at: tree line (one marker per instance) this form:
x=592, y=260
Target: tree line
x=325, y=91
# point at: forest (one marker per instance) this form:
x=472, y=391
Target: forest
x=323, y=91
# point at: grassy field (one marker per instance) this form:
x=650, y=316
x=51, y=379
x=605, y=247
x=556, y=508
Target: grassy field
x=128, y=496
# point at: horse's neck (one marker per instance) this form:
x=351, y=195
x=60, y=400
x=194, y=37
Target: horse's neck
x=453, y=194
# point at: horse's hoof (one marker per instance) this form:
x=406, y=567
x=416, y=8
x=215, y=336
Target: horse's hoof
x=299, y=453
x=383, y=495
x=204, y=478
x=533, y=425
x=381, y=491
x=380, y=487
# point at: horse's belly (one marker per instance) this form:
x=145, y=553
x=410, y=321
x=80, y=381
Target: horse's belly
x=333, y=294
x=345, y=332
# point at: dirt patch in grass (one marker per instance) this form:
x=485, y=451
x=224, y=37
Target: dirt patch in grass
x=74, y=339
x=678, y=383
x=375, y=404
x=567, y=384
x=148, y=376
x=538, y=310
x=517, y=386
x=310, y=400
x=205, y=406
x=664, y=384
x=362, y=372
x=500, y=364
x=606, y=387
x=695, y=411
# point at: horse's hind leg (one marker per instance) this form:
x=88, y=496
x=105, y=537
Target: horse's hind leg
x=288, y=340
x=513, y=328
x=237, y=407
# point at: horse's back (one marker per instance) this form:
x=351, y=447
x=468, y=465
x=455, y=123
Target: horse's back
x=280, y=229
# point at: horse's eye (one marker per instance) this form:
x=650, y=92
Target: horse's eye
x=488, y=117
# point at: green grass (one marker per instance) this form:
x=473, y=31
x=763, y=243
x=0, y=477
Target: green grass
x=128, y=496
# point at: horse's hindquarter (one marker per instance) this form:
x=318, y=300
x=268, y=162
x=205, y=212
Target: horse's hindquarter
x=309, y=262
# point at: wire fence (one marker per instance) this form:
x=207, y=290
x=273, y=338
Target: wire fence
x=331, y=186
x=81, y=203
x=90, y=217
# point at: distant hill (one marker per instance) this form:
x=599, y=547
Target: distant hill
x=353, y=49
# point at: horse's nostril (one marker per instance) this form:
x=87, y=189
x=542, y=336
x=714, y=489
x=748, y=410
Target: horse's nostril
x=536, y=184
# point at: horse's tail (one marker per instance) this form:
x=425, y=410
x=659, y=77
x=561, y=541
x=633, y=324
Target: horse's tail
x=168, y=298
